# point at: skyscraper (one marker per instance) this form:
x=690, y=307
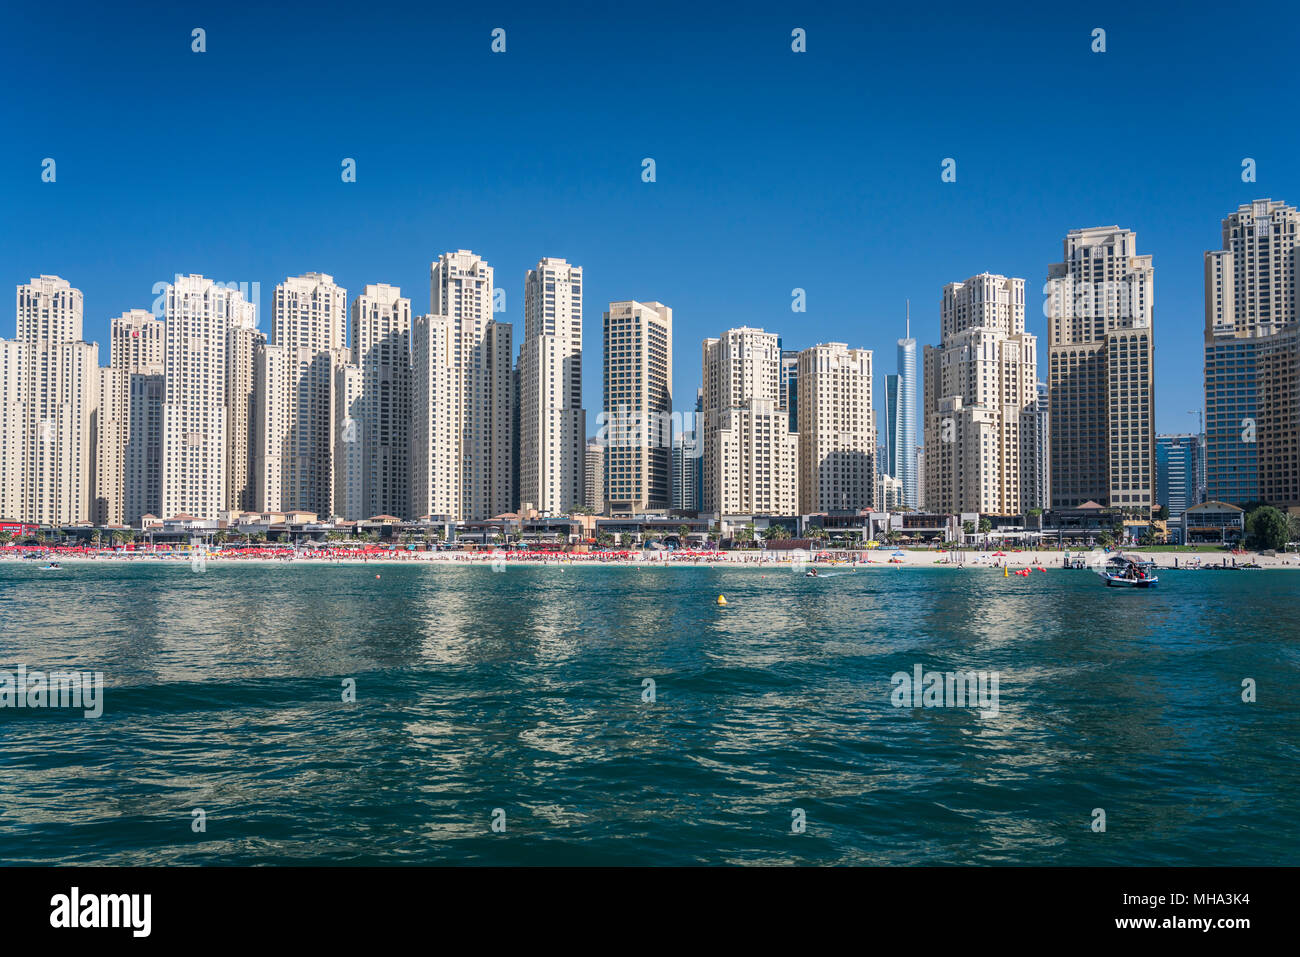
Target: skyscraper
x=751, y=458
x=210, y=329
x=381, y=350
x=503, y=410
x=347, y=414
x=1200, y=467
x=697, y=427
x=790, y=385
x=891, y=437
x=14, y=373
x=920, y=479
x=1038, y=450
x=594, y=487
x=294, y=437
x=904, y=454
x=1252, y=358
x=1177, y=465
x=142, y=481
x=980, y=400
x=50, y=384
x=436, y=472
x=514, y=438
x=552, y=422
x=129, y=444
x=1277, y=414
x=686, y=452
x=242, y=414
x=837, y=434
x=638, y=395
x=473, y=371
x=1100, y=371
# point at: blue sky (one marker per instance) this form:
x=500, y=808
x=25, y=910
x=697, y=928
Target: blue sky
x=775, y=170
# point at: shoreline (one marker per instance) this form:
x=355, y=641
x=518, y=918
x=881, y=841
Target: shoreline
x=1046, y=559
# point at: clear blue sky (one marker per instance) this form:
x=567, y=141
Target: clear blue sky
x=775, y=170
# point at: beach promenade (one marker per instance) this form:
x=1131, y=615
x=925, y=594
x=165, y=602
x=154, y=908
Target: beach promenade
x=863, y=560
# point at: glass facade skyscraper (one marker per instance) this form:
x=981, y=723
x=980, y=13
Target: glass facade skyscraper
x=1252, y=419
x=900, y=422
x=1231, y=466
x=904, y=454
x=1177, y=469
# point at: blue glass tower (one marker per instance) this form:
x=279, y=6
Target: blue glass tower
x=1177, y=468
x=904, y=454
x=1231, y=466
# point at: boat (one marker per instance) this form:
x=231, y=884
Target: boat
x=1125, y=572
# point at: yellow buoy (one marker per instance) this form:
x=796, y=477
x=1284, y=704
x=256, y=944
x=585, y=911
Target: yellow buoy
x=1004, y=571
x=722, y=600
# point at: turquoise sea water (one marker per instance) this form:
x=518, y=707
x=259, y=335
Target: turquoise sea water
x=523, y=691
